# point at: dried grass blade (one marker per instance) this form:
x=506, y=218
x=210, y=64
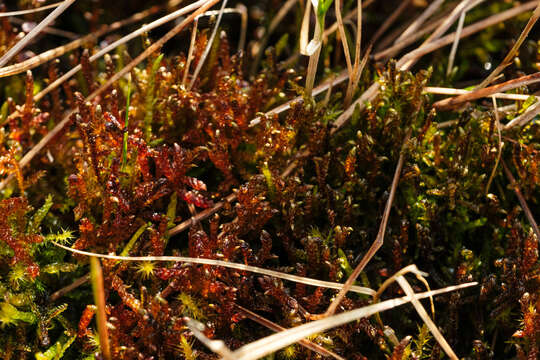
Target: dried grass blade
x=409, y=58
x=451, y=19
x=48, y=30
x=119, y=42
x=394, y=49
x=202, y=59
x=453, y=51
x=304, y=31
x=96, y=277
x=66, y=289
x=273, y=326
x=512, y=53
x=448, y=104
x=425, y=317
x=343, y=37
x=59, y=51
x=407, y=269
x=391, y=19
x=452, y=91
x=357, y=71
x=524, y=118
x=29, y=11
x=243, y=11
x=359, y=63
x=446, y=24
x=522, y=201
x=501, y=144
x=354, y=12
x=201, y=215
x=35, y=31
x=240, y=9
x=379, y=240
x=270, y=344
x=217, y=346
x=430, y=10
x=155, y=46
x=226, y=264
x=190, y=51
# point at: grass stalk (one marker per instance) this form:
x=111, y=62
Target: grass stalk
x=61, y=50
x=126, y=128
x=512, y=53
x=123, y=40
x=269, y=344
x=522, y=202
x=501, y=144
x=273, y=326
x=152, y=48
x=379, y=240
x=30, y=11
x=96, y=278
x=35, y=31
x=226, y=264
x=208, y=46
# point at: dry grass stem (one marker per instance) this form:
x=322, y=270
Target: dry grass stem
x=441, y=29
x=272, y=343
x=154, y=47
x=35, y=31
x=450, y=20
x=208, y=46
x=226, y=264
x=425, y=317
x=524, y=118
x=61, y=50
x=98, y=289
x=351, y=15
x=240, y=9
x=513, y=52
x=453, y=51
x=217, y=346
x=379, y=240
x=390, y=21
x=452, y=91
x=522, y=201
x=343, y=37
x=501, y=144
x=273, y=326
x=190, y=51
x=358, y=62
x=469, y=30
x=420, y=20
x=407, y=269
x=243, y=11
x=47, y=30
x=121, y=41
x=30, y=11
x=396, y=48
x=450, y=103
x=66, y=289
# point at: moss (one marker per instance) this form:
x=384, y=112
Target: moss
x=150, y=168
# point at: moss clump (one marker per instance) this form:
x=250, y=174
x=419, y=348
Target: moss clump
x=221, y=169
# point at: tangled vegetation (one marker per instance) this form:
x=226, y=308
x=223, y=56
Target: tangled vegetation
x=284, y=141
